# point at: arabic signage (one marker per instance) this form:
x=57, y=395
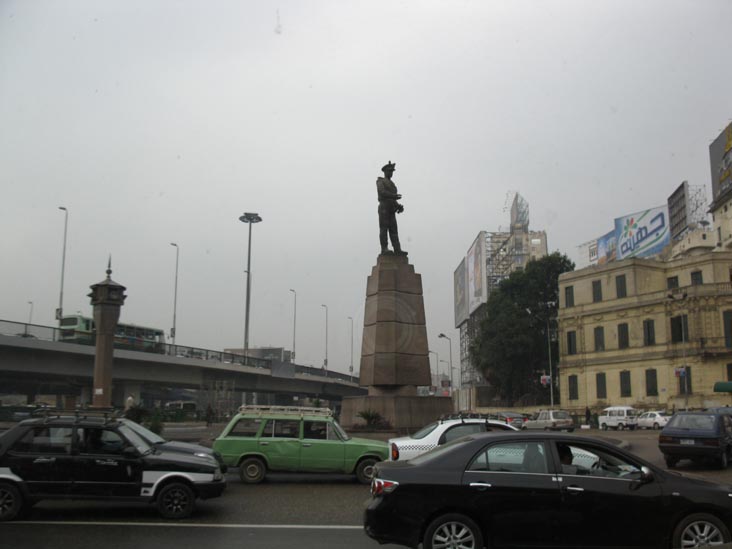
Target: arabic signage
x=643, y=233
x=477, y=293
x=720, y=158
x=461, y=294
x=606, y=248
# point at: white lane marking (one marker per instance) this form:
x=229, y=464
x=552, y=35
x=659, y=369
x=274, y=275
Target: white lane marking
x=191, y=525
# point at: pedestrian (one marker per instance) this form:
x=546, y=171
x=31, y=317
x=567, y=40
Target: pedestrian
x=209, y=415
x=588, y=415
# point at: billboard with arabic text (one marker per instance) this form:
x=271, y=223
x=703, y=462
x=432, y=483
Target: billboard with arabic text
x=461, y=294
x=642, y=234
x=477, y=291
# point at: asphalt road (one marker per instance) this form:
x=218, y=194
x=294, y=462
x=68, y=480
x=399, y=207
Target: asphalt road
x=290, y=511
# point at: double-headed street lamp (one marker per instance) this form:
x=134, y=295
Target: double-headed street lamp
x=60, y=310
x=325, y=362
x=249, y=218
x=452, y=381
x=175, y=292
x=294, y=324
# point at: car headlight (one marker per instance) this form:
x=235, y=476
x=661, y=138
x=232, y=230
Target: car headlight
x=205, y=456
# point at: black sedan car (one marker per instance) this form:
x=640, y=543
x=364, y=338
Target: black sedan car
x=541, y=490
x=697, y=436
x=91, y=457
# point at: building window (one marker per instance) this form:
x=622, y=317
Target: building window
x=569, y=296
x=572, y=343
x=601, y=385
x=573, y=391
x=672, y=282
x=696, y=278
x=620, y=287
x=729, y=372
x=596, y=291
x=651, y=383
x=625, y=383
x=623, y=337
x=649, y=332
x=684, y=381
x=599, y=338
x=727, y=316
x=679, y=329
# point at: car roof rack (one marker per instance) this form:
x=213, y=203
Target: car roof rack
x=293, y=410
x=108, y=414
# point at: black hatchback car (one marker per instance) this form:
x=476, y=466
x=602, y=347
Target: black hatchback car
x=88, y=457
x=541, y=490
x=697, y=436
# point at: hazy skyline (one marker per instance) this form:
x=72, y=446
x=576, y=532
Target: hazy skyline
x=160, y=122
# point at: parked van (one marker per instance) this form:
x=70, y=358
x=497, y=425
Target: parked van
x=618, y=417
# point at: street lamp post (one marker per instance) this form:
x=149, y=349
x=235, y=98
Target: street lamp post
x=294, y=324
x=325, y=362
x=30, y=314
x=60, y=310
x=437, y=367
x=350, y=368
x=175, y=293
x=249, y=218
x=452, y=383
x=682, y=297
x=548, y=304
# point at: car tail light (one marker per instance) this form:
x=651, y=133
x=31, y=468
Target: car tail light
x=663, y=439
x=394, y=451
x=711, y=442
x=380, y=486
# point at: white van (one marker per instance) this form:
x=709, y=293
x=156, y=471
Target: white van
x=618, y=417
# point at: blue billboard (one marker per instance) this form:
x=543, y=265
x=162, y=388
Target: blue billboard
x=642, y=234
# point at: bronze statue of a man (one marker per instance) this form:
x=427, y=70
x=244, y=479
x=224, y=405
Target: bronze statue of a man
x=388, y=208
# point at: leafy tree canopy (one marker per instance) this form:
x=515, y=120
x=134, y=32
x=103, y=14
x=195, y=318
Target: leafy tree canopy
x=511, y=347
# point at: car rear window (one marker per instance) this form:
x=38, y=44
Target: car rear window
x=424, y=431
x=561, y=415
x=697, y=422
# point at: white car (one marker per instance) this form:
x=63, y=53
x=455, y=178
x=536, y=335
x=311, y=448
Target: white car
x=653, y=420
x=440, y=432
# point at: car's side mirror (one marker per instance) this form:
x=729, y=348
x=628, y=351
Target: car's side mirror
x=646, y=475
x=129, y=451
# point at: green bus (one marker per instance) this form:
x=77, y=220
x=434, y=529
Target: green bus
x=80, y=329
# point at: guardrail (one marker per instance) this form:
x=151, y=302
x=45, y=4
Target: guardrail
x=50, y=333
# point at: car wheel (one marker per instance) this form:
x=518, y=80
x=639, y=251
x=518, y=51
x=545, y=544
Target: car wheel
x=453, y=530
x=671, y=461
x=176, y=501
x=656, y=426
x=252, y=471
x=11, y=501
x=621, y=426
x=604, y=426
x=724, y=459
x=700, y=530
x=365, y=470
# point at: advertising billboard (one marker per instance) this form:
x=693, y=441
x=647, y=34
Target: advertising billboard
x=477, y=293
x=678, y=210
x=720, y=158
x=587, y=253
x=606, y=248
x=642, y=234
x=461, y=294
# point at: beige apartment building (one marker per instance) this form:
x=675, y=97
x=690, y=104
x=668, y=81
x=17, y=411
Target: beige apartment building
x=628, y=328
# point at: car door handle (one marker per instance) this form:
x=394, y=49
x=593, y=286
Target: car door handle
x=264, y=443
x=574, y=489
x=44, y=460
x=306, y=444
x=480, y=485
x=107, y=462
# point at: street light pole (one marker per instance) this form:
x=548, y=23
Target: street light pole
x=549, y=350
x=250, y=218
x=437, y=365
x=325, y=362
x=175, y=292
x=30, y=314
x=350, y=368
x=60, y=310
x=294, y=324
x=452, y=382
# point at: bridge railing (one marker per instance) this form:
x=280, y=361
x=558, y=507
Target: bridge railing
x=49, y=333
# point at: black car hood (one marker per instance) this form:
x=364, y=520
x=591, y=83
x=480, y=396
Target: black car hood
x=183, y=447
x=182, y=461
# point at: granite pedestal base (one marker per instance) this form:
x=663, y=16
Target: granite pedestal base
x=404, y=413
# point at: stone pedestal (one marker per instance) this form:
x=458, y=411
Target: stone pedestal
x=394, y=350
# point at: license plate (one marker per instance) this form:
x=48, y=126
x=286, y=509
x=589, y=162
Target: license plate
x=687, y=441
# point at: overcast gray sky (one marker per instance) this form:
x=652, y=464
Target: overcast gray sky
x=158, y=122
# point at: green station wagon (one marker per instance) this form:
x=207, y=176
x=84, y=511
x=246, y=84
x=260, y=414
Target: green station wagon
x=295, y=439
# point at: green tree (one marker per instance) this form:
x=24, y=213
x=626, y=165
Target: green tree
x=510, y=347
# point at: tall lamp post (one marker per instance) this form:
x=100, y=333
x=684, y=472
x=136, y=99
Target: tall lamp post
x=437, y=365
x=249, y=218
x=548, y=304
x=325, y=362
x=350, y=368
x=684, y=335
x=60, y=310
x=452, y=382
x=294, y=324
x=30, y=313
x=175, y=292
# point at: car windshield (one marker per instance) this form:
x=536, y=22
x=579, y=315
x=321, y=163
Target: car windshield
x=426, y=430
x=147, y=434
x=341, y=432
x=561, y=415
x=693, y=422
x=136, y=440
x=440, y=450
